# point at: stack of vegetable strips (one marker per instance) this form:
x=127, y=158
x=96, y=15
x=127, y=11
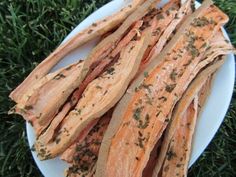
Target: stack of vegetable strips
x=130, y=108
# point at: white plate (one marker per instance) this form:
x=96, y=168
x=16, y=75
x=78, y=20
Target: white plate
x=208, y=122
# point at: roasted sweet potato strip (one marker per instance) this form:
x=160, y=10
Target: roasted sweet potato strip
x=160, y=22
x=148, y=170
x=109, y=43
x=69, y=154
x=143, y=109
x=218, y=46
x=47, y=99
x=177, y=156
x=166, y=30
x=181, y=107
x=96, y=29
x=34, y=102
x=205, y=92
x=182, y=13
x=78, y=92
x=48, y=134
x=44, y=80
x=99, y=96
x=39, y=84
x=52, y=102
x=84, y=155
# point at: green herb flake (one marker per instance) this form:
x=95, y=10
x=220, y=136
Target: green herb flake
x=30, y=122
x=170, y=155
x=204, y=45
x=159, y=16
x=68, y=68
x=175, y=58
x=168, y=12
x=176, y=16
x=78, y=111
x=126, y=123
x=140, y=101
x=178, y=165
x=90, y=31
x=37, y=117
x=145, y=74
x=33, y=148
x=149, y=100
x=98, y=87
x=166, y=168
x=110, y=71
x=158, y=113
x=173, y=75
x=57, y=140
x=163, y=98
x=188, y=63
x=28, y=107
x=147, y=86
x=94, y=24
x=169, y=88
x=137, y=113
x=144, y=124
x=200, y=22
x=59, y=76
x=140, y=142
x=193, y=6
x=227, y=41
x=131, y=48
x=156, y=32
x=193, y=50
x=139, y=133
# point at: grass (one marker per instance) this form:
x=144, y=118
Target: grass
x=30, y=30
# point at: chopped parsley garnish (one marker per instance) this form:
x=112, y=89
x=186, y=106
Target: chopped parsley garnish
x=159, y=16
x=144, y=124
x=170, y=88
x=200, y=22
x=28, y=107
x=59, y=76
x=170, y=154
x=98, y=87
x=163, y=98
x=173, y=75
x=137, y=113
x=110, y=71
x=145, y=74
x=158, y=113
x=94, y=24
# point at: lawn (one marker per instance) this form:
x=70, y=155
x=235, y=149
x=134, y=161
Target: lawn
x=30, y=30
